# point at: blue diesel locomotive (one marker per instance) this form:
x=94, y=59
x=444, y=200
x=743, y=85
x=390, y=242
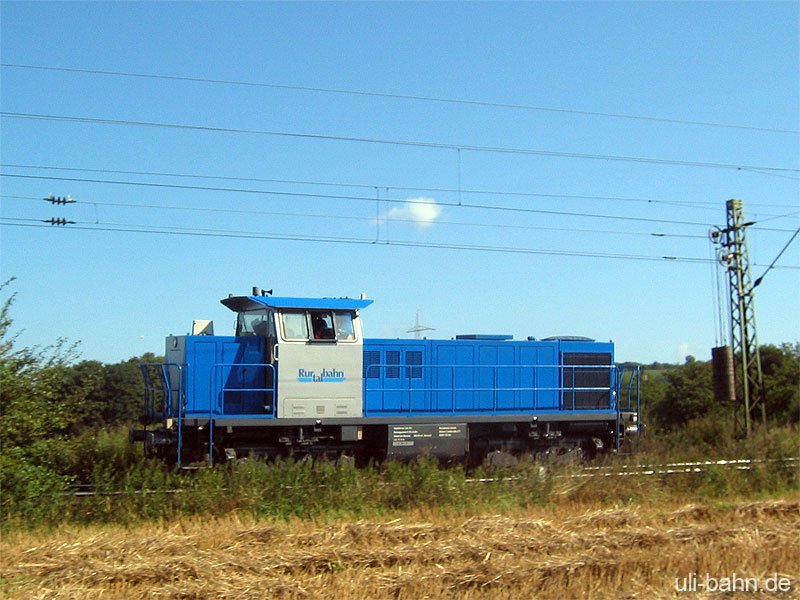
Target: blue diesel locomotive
x=298, y=378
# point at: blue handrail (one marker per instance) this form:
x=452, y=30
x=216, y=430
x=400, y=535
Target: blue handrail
x=166, y=392
x=219, y=390
x=426, y=375
x=171, y=398
x=628, y=394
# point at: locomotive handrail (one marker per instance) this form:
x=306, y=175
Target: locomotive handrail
x=497, y=388
x=629, y=392
x=574, y=388
x=150, y=389
x=634, y=379
x=426, y=374
x=219, y=391
x=181, y=412
x=168, y=400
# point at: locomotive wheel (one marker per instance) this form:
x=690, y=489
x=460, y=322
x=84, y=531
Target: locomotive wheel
x=345, y=461
x=498, y=459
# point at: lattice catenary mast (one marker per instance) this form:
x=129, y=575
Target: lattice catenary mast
x=749, y=381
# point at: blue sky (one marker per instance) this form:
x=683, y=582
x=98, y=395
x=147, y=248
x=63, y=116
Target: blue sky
x=567, y=242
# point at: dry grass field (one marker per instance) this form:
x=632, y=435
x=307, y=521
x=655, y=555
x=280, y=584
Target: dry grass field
x=563, y=551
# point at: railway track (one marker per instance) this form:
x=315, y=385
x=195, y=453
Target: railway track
x=586, y=471
x=741, y=464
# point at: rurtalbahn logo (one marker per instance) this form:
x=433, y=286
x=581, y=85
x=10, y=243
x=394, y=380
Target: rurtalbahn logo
x=325, y=376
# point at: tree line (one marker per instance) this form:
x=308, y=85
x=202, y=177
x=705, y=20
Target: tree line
x=676, y=395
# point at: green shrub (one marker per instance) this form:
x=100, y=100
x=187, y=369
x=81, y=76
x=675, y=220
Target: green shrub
x=31, y=495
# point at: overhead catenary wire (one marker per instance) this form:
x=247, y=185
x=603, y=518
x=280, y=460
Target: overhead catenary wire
x=396, y=142
x=771, y=266
x=716, y=294
x=463, y=205
x=399, y=96
x=377, y=219
x=134, y=228
x=149, y=229
x=793, y=178
x=371, y=186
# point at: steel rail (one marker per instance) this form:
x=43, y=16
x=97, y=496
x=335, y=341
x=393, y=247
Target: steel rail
x=634, y=470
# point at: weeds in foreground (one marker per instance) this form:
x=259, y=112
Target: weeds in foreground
x=127, y=489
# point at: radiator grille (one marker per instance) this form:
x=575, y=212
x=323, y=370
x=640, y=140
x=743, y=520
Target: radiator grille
x=580, y=372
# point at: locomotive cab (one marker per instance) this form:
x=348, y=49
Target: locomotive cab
x=315, y=347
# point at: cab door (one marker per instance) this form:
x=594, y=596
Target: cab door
x=319, y=372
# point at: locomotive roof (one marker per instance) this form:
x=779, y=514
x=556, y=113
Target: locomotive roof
x=242, y=303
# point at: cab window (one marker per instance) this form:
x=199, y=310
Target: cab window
x=322, y=325
x=255, y=322
x=344, y=326
x=318, y=325
x=295, y=325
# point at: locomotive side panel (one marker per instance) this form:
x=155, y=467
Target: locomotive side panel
x=462, y=377
x=542, y=380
